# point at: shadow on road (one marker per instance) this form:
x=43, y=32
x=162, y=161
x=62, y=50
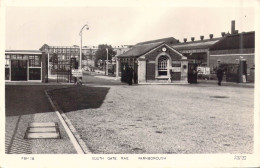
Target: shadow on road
x=79, y=98
x=23, y=100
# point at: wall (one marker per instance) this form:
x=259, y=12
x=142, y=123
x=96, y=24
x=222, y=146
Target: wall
x=44, y=68
x=232, y=56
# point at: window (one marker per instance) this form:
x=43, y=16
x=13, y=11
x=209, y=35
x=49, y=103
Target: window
x=7, y=60
x=35, y=74
x=34, y=61
x=162, y=65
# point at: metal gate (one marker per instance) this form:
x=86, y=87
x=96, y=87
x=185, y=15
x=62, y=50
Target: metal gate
x=64, y=71
x=61, y=68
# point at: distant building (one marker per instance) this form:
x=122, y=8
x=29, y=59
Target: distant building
x=228, y=48
x=233, y=48
x=121, y=49
x=197, y=51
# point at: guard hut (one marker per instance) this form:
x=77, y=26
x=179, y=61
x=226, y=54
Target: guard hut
x=154, y=63
x=25, y=65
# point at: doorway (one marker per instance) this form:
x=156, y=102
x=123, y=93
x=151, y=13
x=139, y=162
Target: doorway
x=19, y=70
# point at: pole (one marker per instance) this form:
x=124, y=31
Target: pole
x=80, y=54
x=107, y=63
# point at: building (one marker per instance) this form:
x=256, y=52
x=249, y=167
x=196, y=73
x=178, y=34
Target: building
x=197, y=51
x=154, y=62
x=88, y=55
x=121, y=49
x=26, y=65
x=233, y=48
x=229, y=49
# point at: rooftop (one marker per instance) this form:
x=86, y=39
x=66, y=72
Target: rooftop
x=236, y=41
x=140, y=49
x=199, y=44
x=24, y=51
x=168, y=40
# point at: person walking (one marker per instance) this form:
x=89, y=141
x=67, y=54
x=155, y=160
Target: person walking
x=220, y=76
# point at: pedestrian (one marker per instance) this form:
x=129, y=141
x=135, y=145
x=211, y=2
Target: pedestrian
x=194, y=76
x=220, y=75
x=130, y=76
x=135, y=77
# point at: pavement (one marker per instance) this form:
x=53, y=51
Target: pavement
x=27, y=103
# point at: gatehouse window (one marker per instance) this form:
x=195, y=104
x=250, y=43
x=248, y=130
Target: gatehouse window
x=34, y=61
x=162, y=65
x=7, y=67
x=34, y=67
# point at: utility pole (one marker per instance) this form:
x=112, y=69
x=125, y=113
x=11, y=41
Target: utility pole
x=107, y=63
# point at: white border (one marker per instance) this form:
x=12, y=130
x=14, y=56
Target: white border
x=212, y=160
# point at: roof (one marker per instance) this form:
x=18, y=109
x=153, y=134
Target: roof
x=23, y=51
x=199, y=44
x=236, y=41
x=140, y=49
x=168, y=40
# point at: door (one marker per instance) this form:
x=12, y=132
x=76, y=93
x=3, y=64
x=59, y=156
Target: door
x=19, y=70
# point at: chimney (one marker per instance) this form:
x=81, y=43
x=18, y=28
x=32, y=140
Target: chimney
x=185, y=40
x=201, y=37
x=233, y=28
x=211, y=36
x=192, y=38
x=223, y=34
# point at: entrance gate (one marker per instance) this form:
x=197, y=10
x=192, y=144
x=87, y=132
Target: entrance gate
x=62, y=69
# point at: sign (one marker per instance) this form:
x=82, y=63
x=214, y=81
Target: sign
x=203, y=70
x=76, y=72
x=244, y=78
x=176, y=69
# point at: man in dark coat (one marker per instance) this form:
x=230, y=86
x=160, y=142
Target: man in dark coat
x=220, y=75
x=130, y=75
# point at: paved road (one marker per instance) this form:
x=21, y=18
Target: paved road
x=196, y=118
x=28, y=103
x=92, y=80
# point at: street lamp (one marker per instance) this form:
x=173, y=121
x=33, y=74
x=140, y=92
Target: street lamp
x=80, y=54
x=107, y=63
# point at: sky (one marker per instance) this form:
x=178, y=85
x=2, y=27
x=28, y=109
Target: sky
x=31, y=27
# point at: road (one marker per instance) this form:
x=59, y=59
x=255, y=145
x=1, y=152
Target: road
x=167, y=119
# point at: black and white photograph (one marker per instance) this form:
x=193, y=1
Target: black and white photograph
x=117, y=84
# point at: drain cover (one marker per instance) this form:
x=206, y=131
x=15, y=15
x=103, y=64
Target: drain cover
x=218, y=97
x=42, y=131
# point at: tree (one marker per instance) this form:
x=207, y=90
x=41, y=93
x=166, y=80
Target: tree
x=101, y=53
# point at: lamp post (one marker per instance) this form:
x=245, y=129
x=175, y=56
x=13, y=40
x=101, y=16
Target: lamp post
x=107, y=63
x=80, y=54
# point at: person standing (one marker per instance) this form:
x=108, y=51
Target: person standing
x=220, y=76
x=130, y=76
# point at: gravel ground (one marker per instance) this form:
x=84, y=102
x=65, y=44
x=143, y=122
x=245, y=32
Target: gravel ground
x=162, y=119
